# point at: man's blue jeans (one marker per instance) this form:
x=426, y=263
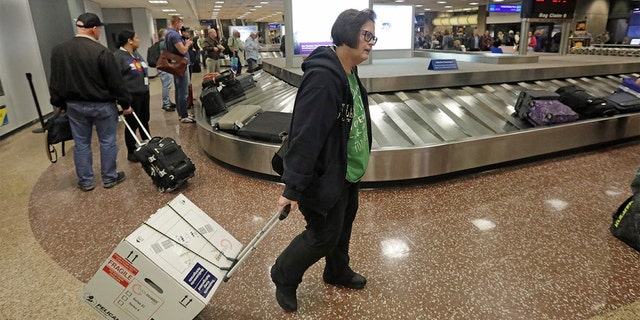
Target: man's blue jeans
x=167, y=79
x=182, y=91
x=82, y=117
x=252, y=64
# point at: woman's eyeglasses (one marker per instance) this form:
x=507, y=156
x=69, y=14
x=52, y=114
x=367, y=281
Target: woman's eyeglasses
x=369, y=37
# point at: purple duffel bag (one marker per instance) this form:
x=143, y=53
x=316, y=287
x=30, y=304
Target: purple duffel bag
x=548, y=112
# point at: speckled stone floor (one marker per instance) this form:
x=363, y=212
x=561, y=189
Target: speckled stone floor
x=527, y=241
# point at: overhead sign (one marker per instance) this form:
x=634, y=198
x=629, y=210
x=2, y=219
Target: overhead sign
x=509, y=8
x=548, y=9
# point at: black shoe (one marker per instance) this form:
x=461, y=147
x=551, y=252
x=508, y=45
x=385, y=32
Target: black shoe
x=132, y=157
x=286, y=298
x=357, y=281
x=285, y=295
x=119, y=179
x=86, y=188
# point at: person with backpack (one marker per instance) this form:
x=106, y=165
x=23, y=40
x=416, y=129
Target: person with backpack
x=237, y=49
x=153, y=53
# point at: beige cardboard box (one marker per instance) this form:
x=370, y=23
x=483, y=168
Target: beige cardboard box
x=168, y=268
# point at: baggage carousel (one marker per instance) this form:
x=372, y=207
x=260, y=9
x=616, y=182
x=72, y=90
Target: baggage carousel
x=428, y=124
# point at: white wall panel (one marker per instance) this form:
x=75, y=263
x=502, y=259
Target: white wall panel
x=22, y=57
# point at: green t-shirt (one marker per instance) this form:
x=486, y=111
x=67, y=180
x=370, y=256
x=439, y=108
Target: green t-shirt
x=358, y=144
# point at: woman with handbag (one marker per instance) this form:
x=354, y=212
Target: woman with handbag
x=135, y=73
x=328, y=151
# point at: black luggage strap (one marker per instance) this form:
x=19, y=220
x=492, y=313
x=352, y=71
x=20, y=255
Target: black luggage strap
x=187, y=248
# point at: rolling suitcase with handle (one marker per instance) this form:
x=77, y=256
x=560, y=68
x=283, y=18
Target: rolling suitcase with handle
x=170, y=267
x=162, y=159
x=237, y=117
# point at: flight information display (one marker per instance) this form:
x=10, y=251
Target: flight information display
x=548, y=9
x=510, y=8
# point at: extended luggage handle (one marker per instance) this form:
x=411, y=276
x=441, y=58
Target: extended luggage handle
x=138, y=142
x=244, y=254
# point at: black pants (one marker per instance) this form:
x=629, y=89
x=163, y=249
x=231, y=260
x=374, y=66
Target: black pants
x=326, y=237
x=140, y=105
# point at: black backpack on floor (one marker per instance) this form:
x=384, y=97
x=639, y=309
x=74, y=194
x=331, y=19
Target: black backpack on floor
x=626, y=222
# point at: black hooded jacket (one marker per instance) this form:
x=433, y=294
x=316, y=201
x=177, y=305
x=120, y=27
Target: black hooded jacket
x=315, y=165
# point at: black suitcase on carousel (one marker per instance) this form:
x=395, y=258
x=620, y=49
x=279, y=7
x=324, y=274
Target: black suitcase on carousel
x=624, y=102
x=163, y=159
x=212, y=101
x=267, y=126
x=585, y=104
x=246, y=81
x=232, y=91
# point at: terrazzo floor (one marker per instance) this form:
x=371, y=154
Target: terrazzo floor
x=526, y=241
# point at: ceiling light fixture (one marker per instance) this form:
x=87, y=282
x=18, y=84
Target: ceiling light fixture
x=158, y=1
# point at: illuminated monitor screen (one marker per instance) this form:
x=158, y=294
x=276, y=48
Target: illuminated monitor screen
x=245, y=31
x=505, y=7
x=394, y=27
x=311, y=25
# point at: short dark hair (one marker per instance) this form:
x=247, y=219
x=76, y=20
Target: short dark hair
x=124, y=36
x=346, y=28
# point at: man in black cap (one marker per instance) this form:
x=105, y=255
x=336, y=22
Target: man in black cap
x=86, y=84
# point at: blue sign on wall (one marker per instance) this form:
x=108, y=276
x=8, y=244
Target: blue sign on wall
x=443, y=64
